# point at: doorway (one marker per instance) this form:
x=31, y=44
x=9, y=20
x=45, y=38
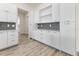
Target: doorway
x=22, y=24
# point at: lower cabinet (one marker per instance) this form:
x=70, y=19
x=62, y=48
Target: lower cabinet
x=12, y=38
x=52, y=39
x=55, y=39
x=8, y=38
x=64, y=41
x=38, y=35
x=3, y=39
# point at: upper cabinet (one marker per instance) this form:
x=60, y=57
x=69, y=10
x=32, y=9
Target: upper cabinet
x=47, y=13
x=67, y=11
x=12, y=12
x=56, y=12
x=3, y=12
x=8, y=12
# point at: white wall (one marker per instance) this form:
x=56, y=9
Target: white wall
x=26, y=27
x=23, y=29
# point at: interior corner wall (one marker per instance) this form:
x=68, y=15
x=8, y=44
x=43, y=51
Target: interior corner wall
x=77, y=27
x=23, y=26
x=26, y=23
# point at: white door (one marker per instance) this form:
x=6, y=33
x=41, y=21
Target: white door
x=3, y=39
x=67, y=28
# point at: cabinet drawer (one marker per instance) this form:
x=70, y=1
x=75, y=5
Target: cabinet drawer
x=12, y=38
x=12, y=35
x=12, y=42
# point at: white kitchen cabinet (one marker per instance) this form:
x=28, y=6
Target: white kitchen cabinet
x=12, y=37
x=11, y=20
x=3, y=39
x=55, y=39
x=12, y=13
x=67, y=11
x=36, y=16
x=68, y=37
x=8, y=12
x=65, y=39
x=3, y=16
x=3, y=13
x=37, y=35
x=12, y=16
x=55, y=12
x=67, y=28
x=45, y=13
x=51, y=38
x=49, y=12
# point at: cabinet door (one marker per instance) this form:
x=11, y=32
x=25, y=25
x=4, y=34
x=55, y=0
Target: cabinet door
x=45, y=13
x=55, y=39
x=52, y=38
x=35, y=35
x=8, y=12
x=3, y=39
x=12, y=16
x=55, y=12
x=3, y=16
x=39, y=35
x=3, y=12
x=67, y=28
x=12, y=38
x=12, y=12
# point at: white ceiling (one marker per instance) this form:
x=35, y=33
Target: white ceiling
x=33, y=4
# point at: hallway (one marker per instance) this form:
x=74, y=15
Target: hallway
x=30, y=47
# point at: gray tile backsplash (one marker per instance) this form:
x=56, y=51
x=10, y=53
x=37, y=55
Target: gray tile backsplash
x=10, y=27
x=49, y=26
x=4, y=25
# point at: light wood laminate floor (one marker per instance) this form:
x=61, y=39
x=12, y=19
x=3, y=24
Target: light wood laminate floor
x=30, y=47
